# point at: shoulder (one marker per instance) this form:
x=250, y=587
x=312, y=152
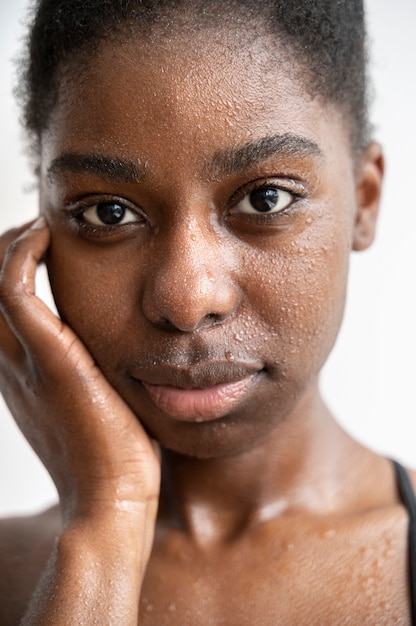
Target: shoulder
x=404, y=476
x=25, y=546
x=412, y=475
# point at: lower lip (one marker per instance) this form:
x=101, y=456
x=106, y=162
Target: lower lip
x=198, y=405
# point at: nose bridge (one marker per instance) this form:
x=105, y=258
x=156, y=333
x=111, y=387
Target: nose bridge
x=191, y=285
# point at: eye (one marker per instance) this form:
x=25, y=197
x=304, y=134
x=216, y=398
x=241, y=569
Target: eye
x=109, y=213
x=264, y=200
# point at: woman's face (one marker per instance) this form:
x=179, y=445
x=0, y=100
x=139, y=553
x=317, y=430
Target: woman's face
x=202, y=209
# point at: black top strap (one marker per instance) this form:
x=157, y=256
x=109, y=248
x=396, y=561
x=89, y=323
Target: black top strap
x=409, y=500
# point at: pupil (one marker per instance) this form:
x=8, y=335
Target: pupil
x=264, y=200
x=110, y=212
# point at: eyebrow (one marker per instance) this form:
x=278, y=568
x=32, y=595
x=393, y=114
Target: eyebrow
x=224, y=163
x=113, y=169
x=235, y=160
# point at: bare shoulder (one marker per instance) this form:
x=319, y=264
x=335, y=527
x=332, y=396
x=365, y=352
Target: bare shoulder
x=25, y=546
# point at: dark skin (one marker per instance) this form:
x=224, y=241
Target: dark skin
x=202, y=324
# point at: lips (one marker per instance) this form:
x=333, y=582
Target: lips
x=200, y=393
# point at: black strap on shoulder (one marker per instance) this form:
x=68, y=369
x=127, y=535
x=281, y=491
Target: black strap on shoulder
x=409, y=500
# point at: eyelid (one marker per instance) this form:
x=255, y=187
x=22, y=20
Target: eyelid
x=95, y=206
x=78, y=207
x=288, y=185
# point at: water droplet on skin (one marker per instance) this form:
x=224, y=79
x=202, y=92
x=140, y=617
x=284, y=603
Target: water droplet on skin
x=368, y=585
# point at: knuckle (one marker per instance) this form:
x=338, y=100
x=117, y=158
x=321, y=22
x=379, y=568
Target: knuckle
x=7, y=238
x=10, y=243
x=4, y=290
x=11, y=288
x=11, y=305
x=10, y=292
x=15, y=247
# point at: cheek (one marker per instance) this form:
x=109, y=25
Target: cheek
x=299, y=294
x=94, y=293
x=291, y=310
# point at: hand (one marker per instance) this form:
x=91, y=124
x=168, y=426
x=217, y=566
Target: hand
x=106, y=469
x=93, y=446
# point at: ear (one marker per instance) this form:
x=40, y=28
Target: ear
x=369, y=181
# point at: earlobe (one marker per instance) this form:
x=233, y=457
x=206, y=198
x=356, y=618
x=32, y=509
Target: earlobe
x=369, y=183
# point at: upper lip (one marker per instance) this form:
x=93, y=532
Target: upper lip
x=197, y=376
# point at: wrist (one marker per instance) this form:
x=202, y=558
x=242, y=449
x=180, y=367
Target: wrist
x=110, y=501
x=94, y=575
x=113, y=544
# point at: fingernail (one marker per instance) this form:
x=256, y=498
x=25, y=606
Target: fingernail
x=38, y=224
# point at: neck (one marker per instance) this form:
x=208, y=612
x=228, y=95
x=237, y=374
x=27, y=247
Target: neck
x=296, y=468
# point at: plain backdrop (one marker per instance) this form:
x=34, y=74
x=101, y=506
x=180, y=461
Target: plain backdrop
x=369, y=381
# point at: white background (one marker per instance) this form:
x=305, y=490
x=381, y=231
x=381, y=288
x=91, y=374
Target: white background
x=369, y=381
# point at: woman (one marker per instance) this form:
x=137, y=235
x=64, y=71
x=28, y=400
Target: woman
x=205, y=170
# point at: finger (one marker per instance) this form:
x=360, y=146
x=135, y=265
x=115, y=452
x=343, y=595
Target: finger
x=10, y=348
x=40, y=333
x=21, y=308
x=9, y=236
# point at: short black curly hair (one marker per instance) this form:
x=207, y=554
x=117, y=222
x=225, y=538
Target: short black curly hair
x=326, y=37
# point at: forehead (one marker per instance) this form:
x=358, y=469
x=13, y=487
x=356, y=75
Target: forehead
x=183, y=96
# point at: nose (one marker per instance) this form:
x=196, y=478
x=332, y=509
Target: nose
x=189, y=283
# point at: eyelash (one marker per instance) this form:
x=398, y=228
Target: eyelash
x=290, y=186
x=78, y=211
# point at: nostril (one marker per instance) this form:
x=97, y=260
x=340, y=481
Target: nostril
x=188, y=300
x=165, y=323
x=211, y=319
